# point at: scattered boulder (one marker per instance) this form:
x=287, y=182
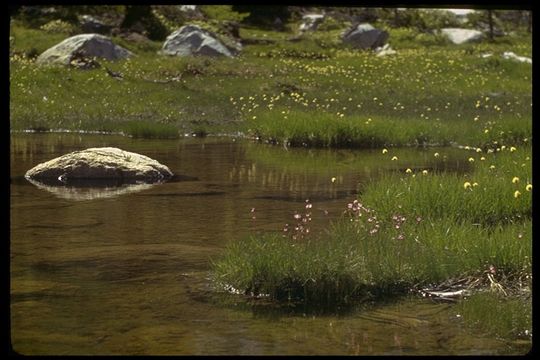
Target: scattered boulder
x=310, y=22
x=107, y=164
x=193, y=40
x=462, y=36
x=509, y=55
x=191, y=12
x=89, y=45
x=365, y=36
x=90, y=24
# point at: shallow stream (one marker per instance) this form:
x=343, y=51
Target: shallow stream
x=126, y=270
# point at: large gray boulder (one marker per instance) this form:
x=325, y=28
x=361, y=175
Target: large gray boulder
x=89, y=45
x=193, y=40
x=365, y=36
x=105, y=163
x=462, y=36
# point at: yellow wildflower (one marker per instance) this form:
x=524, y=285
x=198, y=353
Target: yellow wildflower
x=408, y=171
x=528, y=187
x=394, y=158
x=466, y=185
x=512, y=149
x=517, y=194
x=471, y=159
x=436, y=154
x=384, y=151
x=515, y=180
x=424, y=172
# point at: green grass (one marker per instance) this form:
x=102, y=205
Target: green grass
x=316, y=91
x=311, y=129
x=348, y=263
x=418, y=96
x=148, y=131
x=419, y=229
x=492, y=201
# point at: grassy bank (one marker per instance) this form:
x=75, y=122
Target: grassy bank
x=497, y=191
x=350, y=263
x=408, y=229
x=313, y=92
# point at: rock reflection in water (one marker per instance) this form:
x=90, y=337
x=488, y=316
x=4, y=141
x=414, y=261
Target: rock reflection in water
x=91, y=192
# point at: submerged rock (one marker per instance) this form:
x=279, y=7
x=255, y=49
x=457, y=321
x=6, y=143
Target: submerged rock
x=193, y=40
x=88, y=45
x=462, y=36
x=365, y=36
x=105, y=164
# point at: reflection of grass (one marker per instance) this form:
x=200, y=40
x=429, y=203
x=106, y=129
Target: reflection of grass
x=323, y=162
x=499, y=316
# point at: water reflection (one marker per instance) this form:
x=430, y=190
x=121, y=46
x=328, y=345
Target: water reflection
x=129, y=274
x=321, y=175
x=79, y=193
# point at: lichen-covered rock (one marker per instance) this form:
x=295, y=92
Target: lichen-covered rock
x=193, y=40
x=105, y=163
x=365, y=36
x=462, y=36
x=89, y=45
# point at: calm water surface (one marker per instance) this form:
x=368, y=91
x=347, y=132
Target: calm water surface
x=125, y=270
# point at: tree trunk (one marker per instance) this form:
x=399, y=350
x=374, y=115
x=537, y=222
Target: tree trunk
x=490, y=21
